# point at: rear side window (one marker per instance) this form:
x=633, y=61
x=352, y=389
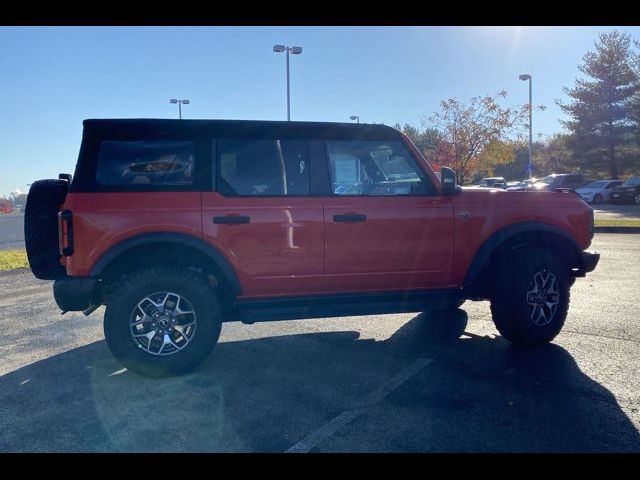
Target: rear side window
x=258, y=167
x=152, y=162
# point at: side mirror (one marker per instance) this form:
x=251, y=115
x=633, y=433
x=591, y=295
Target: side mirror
x=449, y=181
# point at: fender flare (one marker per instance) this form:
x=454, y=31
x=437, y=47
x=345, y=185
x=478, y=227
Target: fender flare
x=488, y=247
x=170, y=237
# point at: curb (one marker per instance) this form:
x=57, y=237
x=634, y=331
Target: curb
x=616, y=229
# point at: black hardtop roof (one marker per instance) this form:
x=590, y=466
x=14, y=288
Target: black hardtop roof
x=153, y=126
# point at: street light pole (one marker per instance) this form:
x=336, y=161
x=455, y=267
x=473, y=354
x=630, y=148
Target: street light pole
x=355, y=117
x=288, y=90
x=179, y=102
x=530, y=166
x=530, y=128
x=293, y=51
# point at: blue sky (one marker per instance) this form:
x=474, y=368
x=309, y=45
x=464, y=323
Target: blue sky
x=51, y=78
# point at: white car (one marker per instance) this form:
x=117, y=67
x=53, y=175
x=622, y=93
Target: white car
x=598, y=191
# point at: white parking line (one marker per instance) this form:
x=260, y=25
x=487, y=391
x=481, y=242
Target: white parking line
x=331, y=427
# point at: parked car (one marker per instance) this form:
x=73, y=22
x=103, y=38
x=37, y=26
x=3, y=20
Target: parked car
x=180, y=225
x=522, y=186
x=628, y=192
x=598, y=191
x=562, y=180
x=5, y=207
x=492, y=182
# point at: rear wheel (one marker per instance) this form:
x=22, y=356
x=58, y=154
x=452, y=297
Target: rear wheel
x=162, y=321
x=530, y=301
x=636, y=199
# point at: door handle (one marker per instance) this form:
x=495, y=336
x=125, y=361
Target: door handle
x=231, y=219
x=351, y=217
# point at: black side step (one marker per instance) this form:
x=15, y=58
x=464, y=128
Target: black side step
x=343, y=305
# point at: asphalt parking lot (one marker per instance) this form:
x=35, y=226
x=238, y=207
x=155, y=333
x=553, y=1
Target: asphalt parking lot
x=389, y=383
x=12, y=231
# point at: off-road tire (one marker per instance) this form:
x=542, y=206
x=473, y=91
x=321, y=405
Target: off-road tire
x=41, y=227
x=132, y=289
x=511, y=312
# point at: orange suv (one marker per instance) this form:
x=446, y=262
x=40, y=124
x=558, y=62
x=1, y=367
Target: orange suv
x=179, y=225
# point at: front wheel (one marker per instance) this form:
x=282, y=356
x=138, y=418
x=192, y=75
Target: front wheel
x=162, y=321
x=597, y=199
x=636, y=199
x=531, y=299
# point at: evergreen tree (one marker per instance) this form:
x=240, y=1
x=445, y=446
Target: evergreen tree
x=600, y=106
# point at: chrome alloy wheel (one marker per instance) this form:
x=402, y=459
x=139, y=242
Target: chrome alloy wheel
x=163, y=323
x=543, y=296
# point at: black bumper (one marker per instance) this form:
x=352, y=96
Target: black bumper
x=74, y=294
x=626, y=197
x=589, y=261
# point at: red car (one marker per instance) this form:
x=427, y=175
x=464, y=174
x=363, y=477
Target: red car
x=5, y=207
x=179, y=225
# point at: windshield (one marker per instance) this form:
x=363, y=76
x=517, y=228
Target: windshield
x=631, y=182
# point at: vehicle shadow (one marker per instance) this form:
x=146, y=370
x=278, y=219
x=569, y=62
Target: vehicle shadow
x=266, y=394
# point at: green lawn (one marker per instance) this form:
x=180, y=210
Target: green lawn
x=12, y=259
x=617, y=222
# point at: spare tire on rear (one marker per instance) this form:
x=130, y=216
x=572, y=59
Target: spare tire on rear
x=41, y=227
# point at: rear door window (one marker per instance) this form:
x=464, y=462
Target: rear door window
x=262, y=168
x=147, y=162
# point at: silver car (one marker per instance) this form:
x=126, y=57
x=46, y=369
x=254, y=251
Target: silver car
x=598, y=191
